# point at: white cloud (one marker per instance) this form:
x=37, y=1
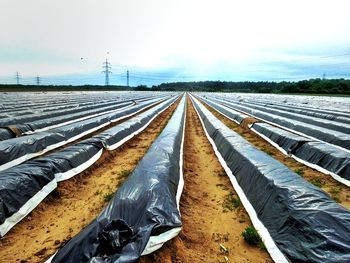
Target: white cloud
x=202, y=34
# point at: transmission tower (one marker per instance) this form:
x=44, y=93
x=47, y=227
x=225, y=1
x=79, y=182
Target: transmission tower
x=37, y=79
x=127, y=78
x=17, y=77
x=106, y=69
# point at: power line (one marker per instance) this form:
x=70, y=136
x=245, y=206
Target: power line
x=106, y=66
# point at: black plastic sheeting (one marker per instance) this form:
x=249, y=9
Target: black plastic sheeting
x=144, y=206
x=71, y=157
x=235, y=115
x=39, y=115
x=114, y=135
x=23, y=146
x=70, y=110
x=44, y=123
x=5, y=134
x=323, y=114
x=305, y=223
x=39, y=124
x=20, y=183
x=318, y=121
x=285, y=139
x=298, y=108
x=323, y=134
x=324, y=155
x=15, y=148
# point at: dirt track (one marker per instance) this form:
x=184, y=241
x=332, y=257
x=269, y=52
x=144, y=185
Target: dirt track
x=77, y=201
x=205, y=209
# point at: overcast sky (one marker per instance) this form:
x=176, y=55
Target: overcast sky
x=178, y=40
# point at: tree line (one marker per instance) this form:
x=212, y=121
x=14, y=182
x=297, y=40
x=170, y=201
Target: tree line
x=312, y=86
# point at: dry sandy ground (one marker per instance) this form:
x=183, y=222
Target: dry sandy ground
x=336, y=190
x=206, y=221
x=77, y=201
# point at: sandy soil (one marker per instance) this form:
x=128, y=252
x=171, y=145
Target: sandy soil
x=209, y=219
x=77, y=201
x=336, y=190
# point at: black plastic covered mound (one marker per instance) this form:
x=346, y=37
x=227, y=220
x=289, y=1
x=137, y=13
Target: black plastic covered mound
x=58, y=166
x=326, y=156
x=111, y=137
x=20, y=183
x=25, y=146
x=235, y=115
x=327, y=135
x=143, y=207
x=321, y=154
x=70, y=158
x=323, y=114
x=62, y=113
x=5, y=134
x=318, y=121
x=305, y=223
x=43, y=123
x=285, y=139
x=17, y=147
x=296, y=107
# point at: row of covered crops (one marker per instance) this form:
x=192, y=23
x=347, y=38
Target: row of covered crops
x=297, y=221
x=319, y=138
x=28, y=175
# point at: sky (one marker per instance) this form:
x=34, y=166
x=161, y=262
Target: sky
x=66, y=42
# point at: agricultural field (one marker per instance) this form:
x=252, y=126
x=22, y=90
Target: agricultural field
x=174, y=177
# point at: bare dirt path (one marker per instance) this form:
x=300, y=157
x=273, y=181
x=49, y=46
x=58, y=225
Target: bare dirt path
x=211, y=211
x=77, y=201
x=339, y=192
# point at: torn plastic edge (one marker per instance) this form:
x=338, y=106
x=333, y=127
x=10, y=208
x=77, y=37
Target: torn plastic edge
x=125, y=139
x=54, y=146
x=27, y=207
x=275, y=253
x=69, y=174
x=291, y=130
x=311, y=165
x=156, y=242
